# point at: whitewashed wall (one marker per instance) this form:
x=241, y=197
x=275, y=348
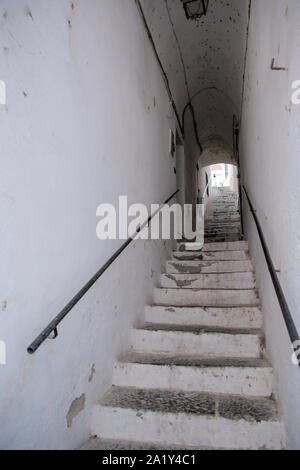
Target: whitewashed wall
x=271, y=166
x=87, y=119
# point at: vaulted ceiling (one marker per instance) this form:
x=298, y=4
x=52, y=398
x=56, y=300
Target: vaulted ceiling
x=204, y=61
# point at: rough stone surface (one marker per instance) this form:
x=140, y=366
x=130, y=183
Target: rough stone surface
x=245, y=280
x=229, y=407
x=192, y=361
x=207, y=267
x=160, y=401
x=250, y=409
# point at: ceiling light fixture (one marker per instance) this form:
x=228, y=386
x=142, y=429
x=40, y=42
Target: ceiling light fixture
x=195, y=9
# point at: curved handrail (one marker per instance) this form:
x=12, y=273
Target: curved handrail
x=52, y=326
x=291, y=327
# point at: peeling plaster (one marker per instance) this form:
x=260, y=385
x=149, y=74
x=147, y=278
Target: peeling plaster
x=76, y=407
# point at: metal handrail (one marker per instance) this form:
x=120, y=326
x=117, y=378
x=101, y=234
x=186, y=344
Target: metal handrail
x=52, y=326
x=291, y=327
x=206, y=188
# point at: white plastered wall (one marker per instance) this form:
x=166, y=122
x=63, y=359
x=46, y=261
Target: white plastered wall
x=270, y=147
x=87, y=119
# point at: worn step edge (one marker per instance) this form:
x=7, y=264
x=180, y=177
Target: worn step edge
x=233, y=317
x=198, y=329
x=95, y=443
x=193, y=360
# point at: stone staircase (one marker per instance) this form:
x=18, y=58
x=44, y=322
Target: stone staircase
x=222, y=217
x=195, y=376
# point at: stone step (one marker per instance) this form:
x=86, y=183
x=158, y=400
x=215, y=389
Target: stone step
x=227, y=236
x=210, y=255
x=227, y=246
x=234, y=213
x=216, y=217
x=219, y=217
x=96, y=443
x=224, y=205
x=207, y=267
x=226, y=222
x=221, y=239
x=222, y=227
x=217, y=222
x=222, y=211
x=188, y=419
x=223, y=200
x=221, y=231
x=248, y=377
x=232, y=317
x=244, y=280
x=206, y=297
x=166, y=340
x=213, y=211
x=226, y=218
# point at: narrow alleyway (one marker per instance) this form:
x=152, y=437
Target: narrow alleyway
x=118, y=342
